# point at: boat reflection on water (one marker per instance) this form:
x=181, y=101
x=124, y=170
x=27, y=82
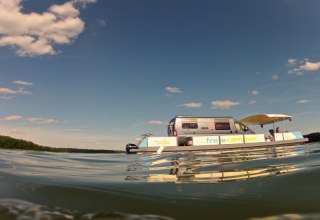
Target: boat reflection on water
x=204, y=167
x=185, y=174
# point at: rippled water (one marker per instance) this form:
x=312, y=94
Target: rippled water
x=280, y=183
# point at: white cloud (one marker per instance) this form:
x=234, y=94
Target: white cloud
x=173, y=89
x=223, y=104
x=292, y=62
x=306, y=66
x=275, y=77
x=252, y=102
x=192, y=105
x=13, y=118
x=7, y=91
x=23, y=83
x=42, y=121
x=255, y=92
x=303, y=101
x=158, y=122
x=309, y=66
x=34, y=34
x=66, y=10
x=27, y=45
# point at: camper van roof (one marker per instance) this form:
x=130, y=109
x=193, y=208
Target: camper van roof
x=189, y=116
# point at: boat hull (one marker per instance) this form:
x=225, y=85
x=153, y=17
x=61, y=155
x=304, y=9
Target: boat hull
x=171, y=149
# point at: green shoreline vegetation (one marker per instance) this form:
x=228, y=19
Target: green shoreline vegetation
x=7, y=142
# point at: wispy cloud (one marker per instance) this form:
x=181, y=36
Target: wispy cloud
x=252, y=102
x=32, y=120
x=83, y=3
x=303, y=101
x=275, y=77
x=13, y=118
x=255, y=92
x=223, y=104
x=102, y=22
x=8, y=91
x=292, y=62
x=158, y=122
x=42, y=121
x=75, y=130
x=173, y=89
x=192, y=105
x=305, y=66
x=23, y=83
x=34, y=34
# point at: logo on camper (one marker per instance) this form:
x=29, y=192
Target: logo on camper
x=236, y=139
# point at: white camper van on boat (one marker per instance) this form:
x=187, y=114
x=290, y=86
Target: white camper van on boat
x=185, y=127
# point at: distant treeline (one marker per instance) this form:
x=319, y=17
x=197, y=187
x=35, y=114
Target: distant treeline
x=7, y=142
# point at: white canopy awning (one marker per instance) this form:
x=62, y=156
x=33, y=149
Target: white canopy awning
x=264, y=119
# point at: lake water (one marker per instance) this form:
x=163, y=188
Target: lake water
x=281, y=182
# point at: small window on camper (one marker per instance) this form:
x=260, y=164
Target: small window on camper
x=241, y=127
x=238, y=127
x=189, y=125
x=222, y=126
x=170, y=128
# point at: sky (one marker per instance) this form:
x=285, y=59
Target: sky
x=98, y=73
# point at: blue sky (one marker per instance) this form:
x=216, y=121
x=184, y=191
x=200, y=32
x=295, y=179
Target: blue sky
x=98, y=73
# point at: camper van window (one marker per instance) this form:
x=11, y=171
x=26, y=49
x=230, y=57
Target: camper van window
x=222, y=125
x=170, y=128
x=189, y=125
x=238, y=126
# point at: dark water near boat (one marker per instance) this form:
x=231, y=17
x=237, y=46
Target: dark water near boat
x=282, y=182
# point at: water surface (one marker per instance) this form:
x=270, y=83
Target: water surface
x=256, y=183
